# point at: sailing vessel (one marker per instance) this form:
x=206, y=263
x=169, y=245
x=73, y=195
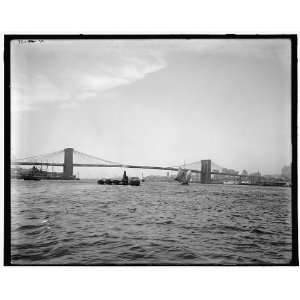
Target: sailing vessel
x=184, y=176
x=187, y=178
x=180, y=175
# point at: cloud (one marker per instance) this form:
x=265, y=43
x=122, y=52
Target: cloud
x=69, y=72
x=33, y=91
x=66, y=75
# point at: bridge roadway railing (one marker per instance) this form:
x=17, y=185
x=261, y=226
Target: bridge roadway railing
x=118, y=166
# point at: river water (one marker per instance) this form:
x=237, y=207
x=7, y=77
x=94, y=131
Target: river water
x=80, y=222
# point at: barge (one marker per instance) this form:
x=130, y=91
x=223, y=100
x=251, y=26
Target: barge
x=135, y=181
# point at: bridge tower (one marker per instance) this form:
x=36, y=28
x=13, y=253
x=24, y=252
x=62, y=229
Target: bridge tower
x=206, y=171
x=68, y=163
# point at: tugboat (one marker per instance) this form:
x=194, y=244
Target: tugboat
x=33, y=175
x=101, y=181
x=124, y=180
x=135, y=181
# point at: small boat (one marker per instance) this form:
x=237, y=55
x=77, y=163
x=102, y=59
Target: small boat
x=244, y=182
x=229, y=182
x=101, y=181
x=31, y=177
x=134, y=181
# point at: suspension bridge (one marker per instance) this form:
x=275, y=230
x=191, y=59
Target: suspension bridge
x=69, y=158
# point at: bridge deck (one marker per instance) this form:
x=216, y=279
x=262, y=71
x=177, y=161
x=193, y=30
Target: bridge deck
x=117, y=166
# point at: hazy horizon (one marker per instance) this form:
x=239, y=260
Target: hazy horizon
x=155, y=102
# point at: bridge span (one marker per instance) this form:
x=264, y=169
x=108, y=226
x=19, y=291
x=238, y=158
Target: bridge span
x=69, y=164
x=100, y=166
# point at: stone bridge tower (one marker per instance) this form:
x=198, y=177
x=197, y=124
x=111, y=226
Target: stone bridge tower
x=206, y=171
x=68, y=163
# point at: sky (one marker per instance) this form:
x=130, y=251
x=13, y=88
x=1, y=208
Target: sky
x=155, y=102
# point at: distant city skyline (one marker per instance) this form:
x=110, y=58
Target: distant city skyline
x=158, y=102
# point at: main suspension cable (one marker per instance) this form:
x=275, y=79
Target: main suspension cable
x=98, y=158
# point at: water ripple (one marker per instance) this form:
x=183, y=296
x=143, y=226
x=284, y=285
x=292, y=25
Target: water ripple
x=81, y=222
